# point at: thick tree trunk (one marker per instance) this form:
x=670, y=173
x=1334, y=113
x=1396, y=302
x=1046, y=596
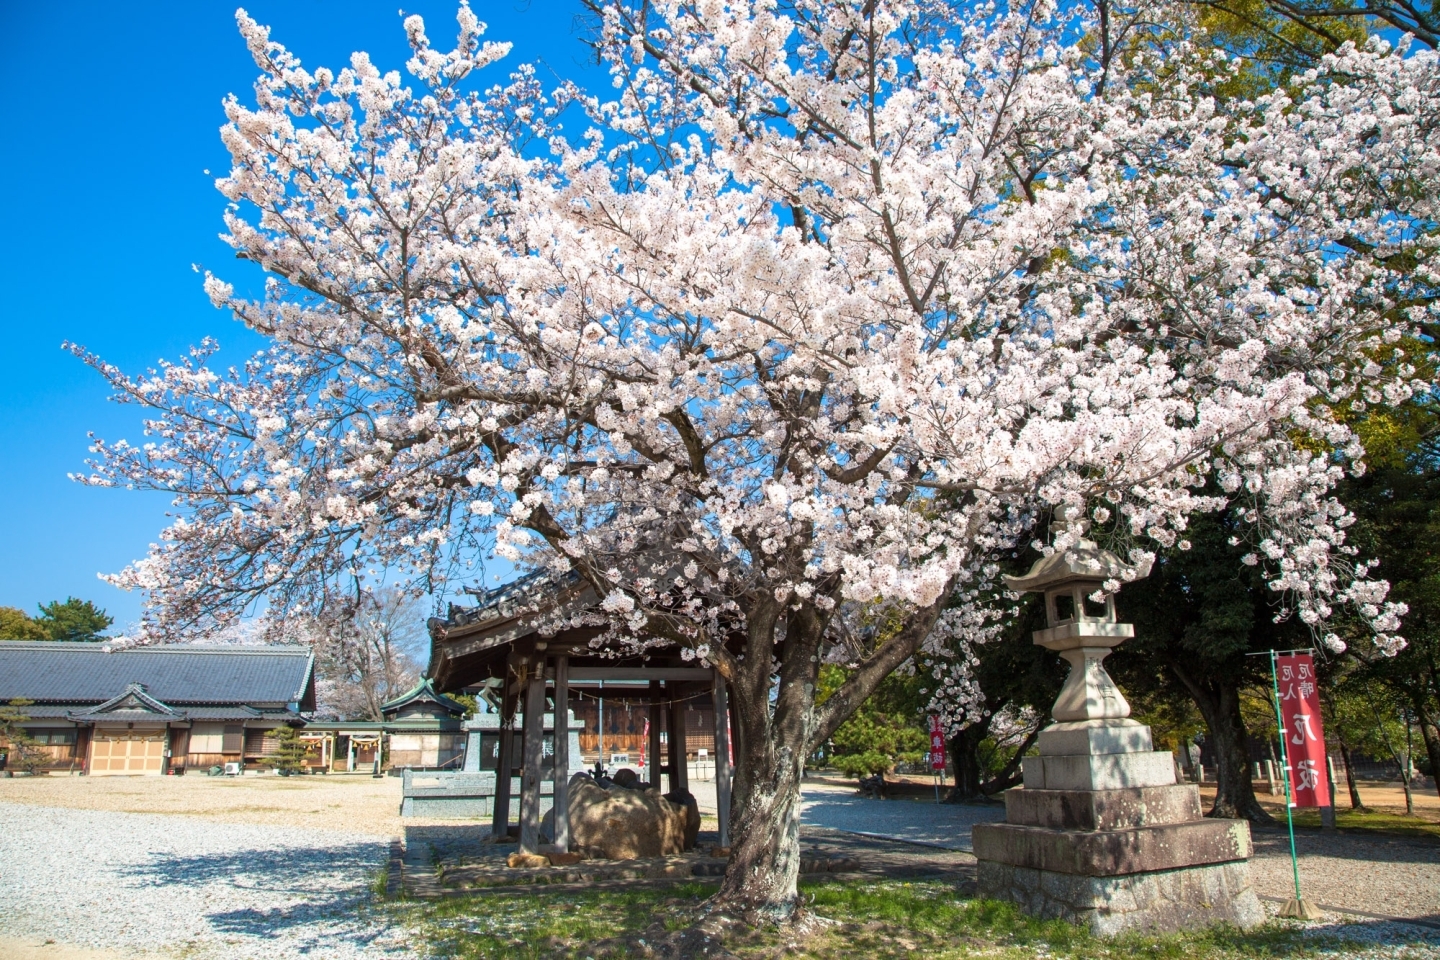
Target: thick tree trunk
x=772, y=739
x=761, y=880
x=1219, y=702
x=965, y=749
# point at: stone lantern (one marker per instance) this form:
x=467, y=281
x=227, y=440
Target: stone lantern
x=1101, y=834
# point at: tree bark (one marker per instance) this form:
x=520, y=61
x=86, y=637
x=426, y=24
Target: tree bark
x=761, y=882
x=1355, y=802
x=773, y=738
x=1218, y=699
x=761, y=879
x=1431, y=736
x=965, y=747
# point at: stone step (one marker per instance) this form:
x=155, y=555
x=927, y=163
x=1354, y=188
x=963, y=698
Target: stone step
x=1109, y=853
x=1111, y=771
x=1143, y=902
x=1094, y=737
x=1121, y=809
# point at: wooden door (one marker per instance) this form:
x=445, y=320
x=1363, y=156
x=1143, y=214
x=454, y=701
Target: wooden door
x=127, y=752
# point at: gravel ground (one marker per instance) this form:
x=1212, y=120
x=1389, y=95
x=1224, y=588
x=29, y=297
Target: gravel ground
x=144, y=883
x=917, y=821
x=1394, y=876
x=259, y=867
x=349, y=803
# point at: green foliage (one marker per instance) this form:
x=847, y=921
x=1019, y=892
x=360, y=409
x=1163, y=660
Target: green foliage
x=15, y=624
x=24, y=751
x=75, y=621
x=1173, y=721
x=289, y=756
x=887, y=729
x=472, y=703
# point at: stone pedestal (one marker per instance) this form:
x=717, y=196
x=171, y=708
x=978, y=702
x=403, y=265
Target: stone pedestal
x=1102, y=835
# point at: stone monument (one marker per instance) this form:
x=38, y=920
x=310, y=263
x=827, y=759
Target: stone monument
x=1101, y=834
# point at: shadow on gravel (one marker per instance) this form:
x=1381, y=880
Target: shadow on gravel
x=280, y=870
x=944, y=825
x=1347, y=845
x=315, y=890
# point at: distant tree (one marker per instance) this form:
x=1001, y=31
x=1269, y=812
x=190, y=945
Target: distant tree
x=886, y=730
x=368, y=653
x=76, y=621
x=1017, y=684
x=1196, y=617
x=24, y=750
x=15, y=624
x=289, y=756
x=1398, y=519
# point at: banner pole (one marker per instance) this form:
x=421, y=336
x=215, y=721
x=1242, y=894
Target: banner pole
x=1296, y=909
x=1285, y=768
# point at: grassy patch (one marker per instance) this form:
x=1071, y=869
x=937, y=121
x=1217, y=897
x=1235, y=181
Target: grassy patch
x=1371, y=821
x=887, y=919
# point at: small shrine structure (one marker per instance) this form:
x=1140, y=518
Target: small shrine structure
x=508, y=646
x=1101, y=833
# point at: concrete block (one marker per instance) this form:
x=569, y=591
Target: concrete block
x=1091, y=737
x=1103, y=809
x=1112, y=771
x=1157, y=902
x=1108, y=853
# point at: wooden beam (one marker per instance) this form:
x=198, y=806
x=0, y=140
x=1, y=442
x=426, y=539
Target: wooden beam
x=652, y=749
x=722, y=756
x=561, y=768
x=534, y=757
x=679, y=773
x=638, y=673
x=500, y=816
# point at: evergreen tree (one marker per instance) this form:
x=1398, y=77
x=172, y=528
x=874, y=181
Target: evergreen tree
x=290, y=751
x=74, y=620
x=15, y=624
x=888, y=728
x=23, y=750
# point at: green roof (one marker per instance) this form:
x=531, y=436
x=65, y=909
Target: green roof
x=423, y=691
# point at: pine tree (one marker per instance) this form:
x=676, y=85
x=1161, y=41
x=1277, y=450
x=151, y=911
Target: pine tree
x=290, y=753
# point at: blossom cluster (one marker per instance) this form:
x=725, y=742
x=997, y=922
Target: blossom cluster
x=829, y=301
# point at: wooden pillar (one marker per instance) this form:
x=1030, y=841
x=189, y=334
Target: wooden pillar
x=500, y=818
x=722, y=755
x=652, y=749
x=534, y=756
x=561, y=768
x=679, y=773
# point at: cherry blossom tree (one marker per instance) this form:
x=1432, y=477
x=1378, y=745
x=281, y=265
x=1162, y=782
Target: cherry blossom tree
x=823, y=308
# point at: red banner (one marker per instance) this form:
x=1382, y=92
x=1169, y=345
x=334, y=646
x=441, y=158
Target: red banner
x=937, y=745
x=1302, y=729
x=644, y=743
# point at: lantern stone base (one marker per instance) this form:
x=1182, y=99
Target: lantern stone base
x=1130, y=858
x=1160, y=901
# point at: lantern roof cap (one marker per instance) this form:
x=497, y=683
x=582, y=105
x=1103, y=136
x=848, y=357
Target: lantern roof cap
x=1085, y=561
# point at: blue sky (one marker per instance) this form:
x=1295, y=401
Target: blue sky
x=110, y=117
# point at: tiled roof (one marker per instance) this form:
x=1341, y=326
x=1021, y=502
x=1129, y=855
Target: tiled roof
x=423, y=691
x=85, y=673
x=133, y=701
